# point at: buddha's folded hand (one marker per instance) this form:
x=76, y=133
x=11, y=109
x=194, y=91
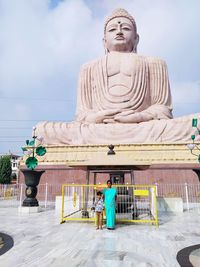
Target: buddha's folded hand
x=100, y=116
x=136, y=117
x=124, y=113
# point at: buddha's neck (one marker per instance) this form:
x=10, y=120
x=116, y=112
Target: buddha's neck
x=120, y=52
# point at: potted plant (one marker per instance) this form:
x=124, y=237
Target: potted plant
x=32, y=150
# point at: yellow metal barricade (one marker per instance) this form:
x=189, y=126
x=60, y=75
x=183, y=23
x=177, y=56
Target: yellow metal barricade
x=135, y=203
x=8, y=193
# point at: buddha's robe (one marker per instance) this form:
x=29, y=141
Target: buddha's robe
x=137, y=83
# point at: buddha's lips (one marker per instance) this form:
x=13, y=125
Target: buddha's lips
x=119, y=38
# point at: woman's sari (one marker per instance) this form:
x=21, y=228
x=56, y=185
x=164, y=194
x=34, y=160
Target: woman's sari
x=110, y=203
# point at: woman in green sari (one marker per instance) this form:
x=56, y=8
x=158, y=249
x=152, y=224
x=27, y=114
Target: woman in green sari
x=110, y=196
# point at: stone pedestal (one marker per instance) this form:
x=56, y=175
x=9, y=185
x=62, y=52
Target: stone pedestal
x=28, y=210
x=168, y=204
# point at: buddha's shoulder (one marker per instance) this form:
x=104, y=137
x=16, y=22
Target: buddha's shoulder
x=157, y=61
x=152, y=60
x=148, y=60
x=91, y=63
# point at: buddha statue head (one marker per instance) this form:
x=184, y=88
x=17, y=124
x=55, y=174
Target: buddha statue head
x=120, y=32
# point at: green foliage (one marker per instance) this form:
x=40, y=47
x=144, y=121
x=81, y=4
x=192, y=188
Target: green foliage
x=41, y=151
x=5, y=170
x=31, y=143
x=31, y=163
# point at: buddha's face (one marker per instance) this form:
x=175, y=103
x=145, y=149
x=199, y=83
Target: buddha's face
x=120, y=35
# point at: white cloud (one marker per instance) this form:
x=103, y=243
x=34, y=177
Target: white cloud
x=21, y=111
x=186, y=98
x=186, y=92
x=39, y=44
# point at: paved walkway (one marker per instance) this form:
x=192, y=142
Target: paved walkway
x=39, y=240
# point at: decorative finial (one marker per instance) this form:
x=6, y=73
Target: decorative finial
x=111, y=150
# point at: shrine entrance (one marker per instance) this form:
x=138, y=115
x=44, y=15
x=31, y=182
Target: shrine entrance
x=119, y=175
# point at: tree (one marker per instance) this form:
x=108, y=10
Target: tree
x=5, y=170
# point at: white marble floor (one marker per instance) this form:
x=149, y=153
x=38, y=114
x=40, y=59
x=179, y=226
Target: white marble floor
x=39, y=240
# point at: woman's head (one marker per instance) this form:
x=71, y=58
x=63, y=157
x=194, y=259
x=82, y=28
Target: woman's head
x=109, y=183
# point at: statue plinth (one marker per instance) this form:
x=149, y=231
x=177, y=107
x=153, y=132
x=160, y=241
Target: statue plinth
x=125, y=154
x=148, y=163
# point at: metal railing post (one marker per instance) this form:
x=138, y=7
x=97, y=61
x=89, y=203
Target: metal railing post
x=21, y=192
x=186, y=195
x=156, y=185
x=46, y=195
x=4, y=190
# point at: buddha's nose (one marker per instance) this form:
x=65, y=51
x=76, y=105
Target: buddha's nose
x=119, y=30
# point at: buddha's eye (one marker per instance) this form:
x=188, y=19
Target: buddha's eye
x=112, y=29
x=126, y=29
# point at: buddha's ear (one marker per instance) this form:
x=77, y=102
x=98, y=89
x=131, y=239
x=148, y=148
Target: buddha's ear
x=105, y=46
x=137, y=38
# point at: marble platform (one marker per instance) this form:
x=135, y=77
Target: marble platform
x=39, y=240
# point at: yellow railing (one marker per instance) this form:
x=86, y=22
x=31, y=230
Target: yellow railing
x=9, y=193
x=135, y=203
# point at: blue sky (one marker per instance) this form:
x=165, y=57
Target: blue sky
x=43, y=44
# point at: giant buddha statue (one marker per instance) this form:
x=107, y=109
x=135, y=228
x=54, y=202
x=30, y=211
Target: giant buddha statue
x=122, y=97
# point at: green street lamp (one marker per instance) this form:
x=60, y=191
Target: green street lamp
x=194, y=146
x=32, y=150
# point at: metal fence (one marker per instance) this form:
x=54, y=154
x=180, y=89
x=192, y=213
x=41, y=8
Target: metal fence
x=190, y=194
x=13, y=195
x=8, y=191
x=8, y=195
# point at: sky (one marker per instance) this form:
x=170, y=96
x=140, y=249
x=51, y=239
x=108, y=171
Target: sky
x=43, y=44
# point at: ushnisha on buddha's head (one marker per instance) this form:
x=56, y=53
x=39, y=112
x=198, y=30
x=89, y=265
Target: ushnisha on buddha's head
x=120, y=32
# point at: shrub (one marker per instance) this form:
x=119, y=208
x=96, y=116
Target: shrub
x=5, y=170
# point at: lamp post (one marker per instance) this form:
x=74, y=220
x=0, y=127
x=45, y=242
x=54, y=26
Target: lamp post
x=194, y=147
x=32, y=177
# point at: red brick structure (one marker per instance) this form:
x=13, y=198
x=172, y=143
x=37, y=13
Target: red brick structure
x=167, y=174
